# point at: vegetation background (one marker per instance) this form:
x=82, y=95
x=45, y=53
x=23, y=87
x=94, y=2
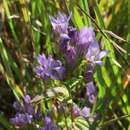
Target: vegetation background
x=25, y=31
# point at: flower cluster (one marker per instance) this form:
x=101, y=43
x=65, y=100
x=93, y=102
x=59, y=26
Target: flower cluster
x=24, y=113
x=49, y=125
x=76, y=111
x=91, y=92
x=75, y=46
x=49, y=68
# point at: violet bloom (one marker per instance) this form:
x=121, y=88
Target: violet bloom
x=25, y=107
x=89, y=72
x=85, y=112
x=28, y=106
x=24, y=112
x=75, y=111
x=81, y=40
x=49, y=68
x=71, y=55
x=21, y=120
x=64, y=43
x=74, y=36
x=86, y=37
x=60, y=23
x=49, y=125
x=91, y=92
x=27, y=99
x=94, y=55
x=18, y=107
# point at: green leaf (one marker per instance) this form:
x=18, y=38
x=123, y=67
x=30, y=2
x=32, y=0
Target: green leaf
x=60, y=92
x=77, y=18
x=81, y=123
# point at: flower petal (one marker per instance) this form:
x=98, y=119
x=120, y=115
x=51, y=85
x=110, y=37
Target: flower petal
x=102, y=54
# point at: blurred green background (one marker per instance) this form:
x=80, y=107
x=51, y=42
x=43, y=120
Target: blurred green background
x=25, y=31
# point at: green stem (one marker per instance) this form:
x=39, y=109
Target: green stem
x=114, y=120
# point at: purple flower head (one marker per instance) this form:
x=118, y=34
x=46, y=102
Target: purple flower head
x=71, y=55
x=21, y=119
x=27, y=99
x=42, y=129
x=60, y=24
x=28, y=107
x=91, y=92
x=74, y=36
x=49, y=125
x=47, y=120
x=49, y=68
x=25, y=111
x=18, y=107
x=90, y=88
x=92, y=98
x=25, y=107
x=75, y=111
x=85, y=112
x=94, y=55
x=63, y=42
x=86, y=37
x=89, y=72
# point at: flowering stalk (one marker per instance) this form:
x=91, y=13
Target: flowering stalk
x=75, y=46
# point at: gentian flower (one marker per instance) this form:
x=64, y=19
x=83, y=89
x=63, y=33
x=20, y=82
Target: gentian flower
x=63, y=43
x=94, y=55
x=25, y=107
x=85, y=112
x=60, y=23
x=27, y=99
x=24, y=112
x=74, y=36
x=49, y=68
x=91, y=92
x=75, y=111
x=49, y=125
x=28, y=106
x=86, y=37
x=21, y=120
x=71, y=55
x=89, y=72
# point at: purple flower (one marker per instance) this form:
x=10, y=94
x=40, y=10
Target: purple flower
x=75, y=111
x=25, y=107
x=89, y=72
x=60, y=24
x=49, y=68
x=86, y=37
x=92, y=98
x=21, y=119
x=91, y=92
x=71, y=55
x=18, y=107
x=27, y=99
x=28, y=107
x=74, y=36
x=42, y=129
x=24, y=112
x=47, y=121
x=90, y=88
x=85, y=112
x=94, y=55
x=49, y=125
x=63, y=42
